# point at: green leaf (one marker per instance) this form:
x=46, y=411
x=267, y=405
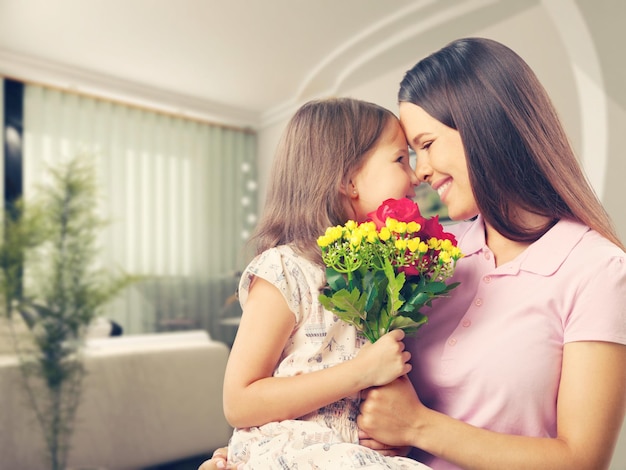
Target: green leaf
x=418, y=300
x=335, y=279
x=434, y=287
x=396, y=282
x=381, y=324
x=347, y=305
x=452, y=285
x=372, y=299
x=409, y=325
x=375, y=284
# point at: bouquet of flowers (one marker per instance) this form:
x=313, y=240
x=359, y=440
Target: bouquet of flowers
x=380, y=273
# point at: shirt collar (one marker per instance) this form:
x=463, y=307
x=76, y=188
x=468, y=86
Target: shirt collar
x=548, y=253
x=542, y=257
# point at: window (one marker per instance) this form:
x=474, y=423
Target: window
x=180, y=196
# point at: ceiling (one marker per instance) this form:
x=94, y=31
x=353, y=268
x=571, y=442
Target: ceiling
x=249, y=62
x=239, y=61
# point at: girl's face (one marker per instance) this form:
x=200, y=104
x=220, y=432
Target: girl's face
x=387, y=173
x=441, y=160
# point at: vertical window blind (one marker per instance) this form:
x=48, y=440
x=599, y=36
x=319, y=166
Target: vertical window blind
x=180, y=197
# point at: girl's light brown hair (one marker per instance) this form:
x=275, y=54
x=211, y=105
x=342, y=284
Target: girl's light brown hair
x=518, y=154
x=323, y=146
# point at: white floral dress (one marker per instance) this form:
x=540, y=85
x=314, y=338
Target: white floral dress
x=328, y=437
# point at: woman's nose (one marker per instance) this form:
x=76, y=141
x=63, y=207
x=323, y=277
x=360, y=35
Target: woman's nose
x=423, y=170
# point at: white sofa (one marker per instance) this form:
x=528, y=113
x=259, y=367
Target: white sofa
x=147, y=400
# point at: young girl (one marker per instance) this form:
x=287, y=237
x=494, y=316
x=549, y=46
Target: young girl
x=295, y=371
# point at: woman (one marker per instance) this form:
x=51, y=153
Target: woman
x=525, y=365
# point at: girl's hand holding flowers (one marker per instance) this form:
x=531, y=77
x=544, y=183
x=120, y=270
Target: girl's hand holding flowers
x=368, y=266
x=384, y=361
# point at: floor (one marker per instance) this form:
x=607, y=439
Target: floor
x=187, y=464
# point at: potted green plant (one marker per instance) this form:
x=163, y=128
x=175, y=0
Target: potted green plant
x=51, y=281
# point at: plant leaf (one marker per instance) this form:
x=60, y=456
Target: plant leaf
x=409, y=325
x=335, y=279
x=396, y=282
x=347, y=305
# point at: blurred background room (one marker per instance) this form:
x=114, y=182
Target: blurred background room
x=181, y=105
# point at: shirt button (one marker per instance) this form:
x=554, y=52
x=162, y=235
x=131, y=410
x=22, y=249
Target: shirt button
x=487, y=255
x=487, y=279
x=466, y=323
x=452, y=341
x=478, y=302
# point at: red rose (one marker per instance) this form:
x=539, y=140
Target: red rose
x=403, y=210
x=432, y=228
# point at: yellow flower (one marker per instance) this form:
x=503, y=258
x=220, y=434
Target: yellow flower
x=351, y=225
x=446, y=245
x=372, y=236
x=414, y=244
x=400, y=244
x=400, y=227
x=355, y=239
x=384, y=234
x=434, y=243
x=368, y=226
x=413, y=227
x=334, y=233
x=391, y=224
x=456, y=253
x=323, y=241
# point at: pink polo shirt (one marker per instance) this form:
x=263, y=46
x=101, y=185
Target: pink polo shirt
x=491, y=354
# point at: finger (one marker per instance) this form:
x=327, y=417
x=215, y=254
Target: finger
x=213, y=464
x=398, y=334
x=388, y=452
x=217, y=461
x=376, y=445
x=221, y=452
x=384, y=452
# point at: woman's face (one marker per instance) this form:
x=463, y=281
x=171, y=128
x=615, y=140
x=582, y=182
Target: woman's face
x=387, y=173
x=441, y=160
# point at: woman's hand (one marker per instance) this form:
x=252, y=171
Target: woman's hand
x=389, y=414
x=218, y=461
x=384, y=449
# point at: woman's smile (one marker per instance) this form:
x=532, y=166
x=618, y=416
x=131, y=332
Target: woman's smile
x=442, y=187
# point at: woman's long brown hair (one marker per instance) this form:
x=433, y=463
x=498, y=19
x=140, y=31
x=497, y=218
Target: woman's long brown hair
x=518, y=154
